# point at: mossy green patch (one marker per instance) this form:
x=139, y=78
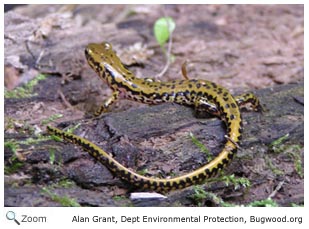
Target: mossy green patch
x=201, y=146
x=51, y=119
x=26, y=90
x=263, y=203
x=65, y=201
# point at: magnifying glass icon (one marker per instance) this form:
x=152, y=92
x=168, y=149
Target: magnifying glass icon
x=10, y=215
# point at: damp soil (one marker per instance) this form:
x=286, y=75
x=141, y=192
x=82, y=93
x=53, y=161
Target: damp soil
x=257, y=48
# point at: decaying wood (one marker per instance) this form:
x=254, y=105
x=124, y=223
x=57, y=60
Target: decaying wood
x=155, y=139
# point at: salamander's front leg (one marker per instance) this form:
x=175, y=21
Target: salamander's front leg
x=248, y=100
x=107, y=103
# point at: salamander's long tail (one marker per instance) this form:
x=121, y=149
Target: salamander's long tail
x=161, y=185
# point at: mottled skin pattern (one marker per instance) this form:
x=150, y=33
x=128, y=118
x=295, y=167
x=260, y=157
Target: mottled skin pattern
x=203, y=95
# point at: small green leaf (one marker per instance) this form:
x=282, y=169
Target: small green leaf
x=162, y=29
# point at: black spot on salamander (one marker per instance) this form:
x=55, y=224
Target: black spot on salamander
x=219, y=91
x=154, y=184
x=199, y=94
x=225, y=94
x=227, y=106
x=168, y=184
x=194, y=178
x=225, y=99
x=98, y=67
x=225, y=161
x=198, y=85
x=173, y=86
x=111, y=165
x=214, y=85
x=233, y=152
x=192, y=93
x=134, y=92
x=233, y=105
x=190, y=85
x=187, y=95
x=182, y=182
x=220, y=166
x=210, y=97
x=174, y=184
x=207, y=86
x=201, y=176
x=214, y=171
x=156, y=96
x=188, y=180
x=147, y=182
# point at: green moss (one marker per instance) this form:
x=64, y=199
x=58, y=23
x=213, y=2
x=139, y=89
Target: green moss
x=34, y=141
x=263, y=203
x=237, y=182
x=273, y=168
x=231, y=180
x=63, y=184
x=142, y=172
x=26, y=90
x=201, y=146
x=293, y=151
x=14, y=163
x=13, y=168
x=71, y=129
x=11, y=145
x=51, y=119
x=9, y=123
x=119, y=198
x=200, y=196
x=65, y=201
x=296, y=205
x=276, y=145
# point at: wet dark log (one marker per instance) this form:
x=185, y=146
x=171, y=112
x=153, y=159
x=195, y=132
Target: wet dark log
x=154, y=140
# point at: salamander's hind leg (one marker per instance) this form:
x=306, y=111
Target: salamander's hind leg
x=108, y=102
x=248, y=100
x=205, y=108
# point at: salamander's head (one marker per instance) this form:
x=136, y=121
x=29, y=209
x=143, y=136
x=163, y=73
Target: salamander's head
x=101, y=55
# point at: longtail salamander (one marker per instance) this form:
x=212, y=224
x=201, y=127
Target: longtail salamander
x=204, y=96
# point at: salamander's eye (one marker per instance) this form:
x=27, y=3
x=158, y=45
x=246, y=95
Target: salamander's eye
x=88, y=51
x=107, y=46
